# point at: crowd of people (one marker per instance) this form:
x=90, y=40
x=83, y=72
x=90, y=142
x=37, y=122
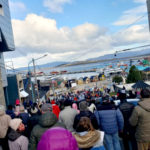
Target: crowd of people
x=86, y=120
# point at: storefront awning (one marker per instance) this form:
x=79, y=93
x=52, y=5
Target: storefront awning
x=23, y=94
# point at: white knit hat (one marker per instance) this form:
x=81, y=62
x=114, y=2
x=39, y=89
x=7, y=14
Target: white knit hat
x=14, y=123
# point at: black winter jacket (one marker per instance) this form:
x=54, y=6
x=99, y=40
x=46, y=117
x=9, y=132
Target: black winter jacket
x=88, y=114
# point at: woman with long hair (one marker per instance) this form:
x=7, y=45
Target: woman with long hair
x=87, y=137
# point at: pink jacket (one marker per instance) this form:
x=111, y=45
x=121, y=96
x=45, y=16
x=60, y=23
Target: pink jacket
x=57, y=139
x=74, y=106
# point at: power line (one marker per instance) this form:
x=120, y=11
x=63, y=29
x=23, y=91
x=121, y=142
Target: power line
x=133, y=48
x=128, y=49
x=138, y=19
x=85, y=53
x=2, y=65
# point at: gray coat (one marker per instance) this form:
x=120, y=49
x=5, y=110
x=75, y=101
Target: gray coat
x=67, y=117
x=141, y=119
x=46, y=121
x=17, y=141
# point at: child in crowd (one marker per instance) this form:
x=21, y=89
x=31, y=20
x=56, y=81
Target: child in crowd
x=15, y=139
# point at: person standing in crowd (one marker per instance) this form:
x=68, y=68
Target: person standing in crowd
x=34, y=109
x=84, y=112
x=92, y=107
x=128, y=132
x=15, y=139
x=67, y=115
x=10, y=112
x=87, y=137
x=23, y=115
x=4, y=125
x=64, y=140
x=110, y=120
x=75, y=106
x=33, y=120
x=17, y=107
x=55, y=108
x=46, y=120
x=141, y=119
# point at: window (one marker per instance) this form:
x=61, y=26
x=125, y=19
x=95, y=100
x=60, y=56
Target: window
x=1, y=10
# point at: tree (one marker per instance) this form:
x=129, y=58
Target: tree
x=117, y=79
x=134, y=75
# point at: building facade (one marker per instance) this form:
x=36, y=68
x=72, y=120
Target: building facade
x=6, y=44
x=15, y=89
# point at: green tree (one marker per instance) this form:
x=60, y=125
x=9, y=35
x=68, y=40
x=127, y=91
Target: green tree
x=117, y=79
x=134, y=75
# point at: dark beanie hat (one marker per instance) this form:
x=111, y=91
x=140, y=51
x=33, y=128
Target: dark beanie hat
x=83, y=106
x=67, y=103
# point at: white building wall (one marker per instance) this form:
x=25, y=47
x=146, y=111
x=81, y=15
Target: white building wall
x=3, y=70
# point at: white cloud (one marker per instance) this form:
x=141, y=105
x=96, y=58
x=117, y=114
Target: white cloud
x=17, y=6
x=134, y=34
x=137, y=10
x=37, y=35
x=140, y=1
x=37, y=32
x=55, y=6
x=131, y=16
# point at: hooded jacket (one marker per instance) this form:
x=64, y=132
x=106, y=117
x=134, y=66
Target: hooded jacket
x=46, y=121
x=67, y=116
x=16, y=141
x=4, y=124
x=57, y=139
x=141, y=119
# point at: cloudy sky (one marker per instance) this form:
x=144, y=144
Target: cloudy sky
x=71, y=30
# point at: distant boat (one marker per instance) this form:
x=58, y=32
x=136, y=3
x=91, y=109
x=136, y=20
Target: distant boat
x=111, y=71
x=54, y=72
x=122, y=64
x=40, y=73
x=63, y=72
x=125, y=65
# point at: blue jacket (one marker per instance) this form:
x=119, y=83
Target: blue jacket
x=25, y=118
x=11, y=113
x=110, y=119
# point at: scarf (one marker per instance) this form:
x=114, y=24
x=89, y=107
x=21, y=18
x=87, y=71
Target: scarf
x=88, y=140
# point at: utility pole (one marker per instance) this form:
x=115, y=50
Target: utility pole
x=35, y=75
x=148, y=11
x=35, y=78
x=13, y=65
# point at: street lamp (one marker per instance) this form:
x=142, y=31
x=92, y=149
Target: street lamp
x=35, y=76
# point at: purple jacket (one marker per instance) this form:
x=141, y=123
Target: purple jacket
x=57, y=139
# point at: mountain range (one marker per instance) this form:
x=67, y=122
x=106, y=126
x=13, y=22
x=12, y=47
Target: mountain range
x=121, y=55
